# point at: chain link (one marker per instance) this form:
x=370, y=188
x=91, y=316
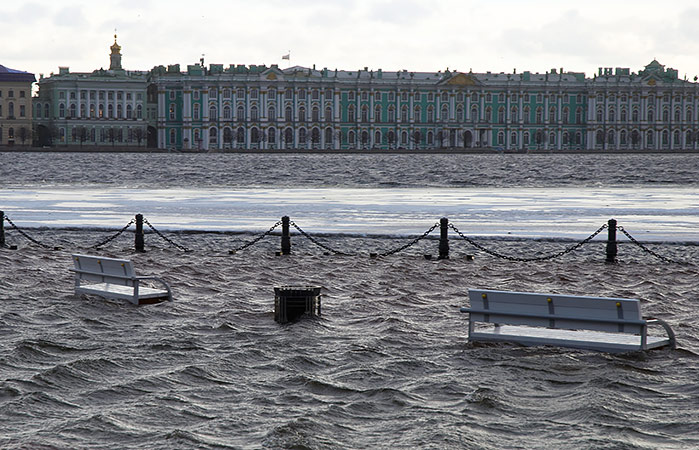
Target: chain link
x=165, y=238
x=411, y=243
x=539, y=258
x=649, y=251
x=111, y=238
x=29, y=238
x=256, y=240
x=316, y=242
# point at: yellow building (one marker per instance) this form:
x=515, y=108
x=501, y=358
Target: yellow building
x=15, y=107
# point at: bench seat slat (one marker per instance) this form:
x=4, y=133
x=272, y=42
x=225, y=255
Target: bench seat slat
x=583, y=339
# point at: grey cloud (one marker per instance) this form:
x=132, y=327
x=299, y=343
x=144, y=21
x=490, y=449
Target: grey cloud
x=70, y=17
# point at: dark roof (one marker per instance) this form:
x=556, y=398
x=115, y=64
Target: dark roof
x=7, y=74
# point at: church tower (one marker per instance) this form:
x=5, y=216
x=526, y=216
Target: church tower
x=115, y=57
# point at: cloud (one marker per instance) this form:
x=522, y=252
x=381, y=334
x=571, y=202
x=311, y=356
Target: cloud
x=400, y=12
x=71, y=17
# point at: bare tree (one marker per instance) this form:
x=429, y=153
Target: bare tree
x=140, y=134
x=23, y=135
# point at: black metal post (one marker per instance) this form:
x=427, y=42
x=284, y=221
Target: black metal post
x=2, y=228
x=444, y=238
x=611, y=242
x=286, y=239
x=139, y=239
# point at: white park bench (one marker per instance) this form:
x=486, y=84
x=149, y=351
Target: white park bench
x=592, y=323
x=115, y=278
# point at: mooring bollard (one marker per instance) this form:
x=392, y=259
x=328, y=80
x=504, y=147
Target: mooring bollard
x=139, y=238
x=286, y=239
x=2, y=228
x=444, y=238
x=292, y=302
x=611, y=242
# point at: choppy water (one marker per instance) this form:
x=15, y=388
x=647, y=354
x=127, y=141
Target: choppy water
x=387, y=364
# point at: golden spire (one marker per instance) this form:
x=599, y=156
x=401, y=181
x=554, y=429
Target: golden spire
x=116, y=48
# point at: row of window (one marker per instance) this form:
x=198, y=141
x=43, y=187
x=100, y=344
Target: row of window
x=102, y=135
x=120, y=95
x=11, y=93
x=11, y=110
x=387, y=116
x=650, y=115
x=100, y=112
x=634, y=138
x=23, y=134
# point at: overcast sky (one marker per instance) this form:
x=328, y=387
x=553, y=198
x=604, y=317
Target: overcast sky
x=420, y=35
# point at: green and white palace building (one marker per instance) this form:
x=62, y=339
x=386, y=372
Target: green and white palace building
x=258, y=107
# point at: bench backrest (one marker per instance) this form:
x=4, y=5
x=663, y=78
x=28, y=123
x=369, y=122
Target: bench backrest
x=617, y=315
x=104, y=270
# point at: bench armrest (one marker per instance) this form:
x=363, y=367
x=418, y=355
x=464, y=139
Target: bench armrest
x=159, y=280
x=668, y=330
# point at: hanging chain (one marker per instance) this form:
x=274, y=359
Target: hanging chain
x=165, y=238
x=539, y=258
x=411, y=243
x=29, y=238
x=316, y=242
x=256, y=240
x=111, y=238
x=649, y=251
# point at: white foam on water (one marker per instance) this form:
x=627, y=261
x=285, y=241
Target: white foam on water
x=656, y=213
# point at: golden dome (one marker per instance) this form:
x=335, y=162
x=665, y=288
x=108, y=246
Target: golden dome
x=116, y=48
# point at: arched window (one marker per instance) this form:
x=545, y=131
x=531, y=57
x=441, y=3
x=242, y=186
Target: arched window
x=213, y=136
x=622, y=115
x=11, y=109
x=351, y=114
x=566, y=115
x=611, y=137
x=213, y=113
x=578, y=115
x=328, y=114
x=430, y=114
x=173, y=137
x=676, y=139
x=139, y=112
x=666, y=115
x=391, y=114
x=303, y=136
x=315, y=135
x=612, y=115
x=501, y=114
x=272, y=136
x=634, y=115
x=578, y=138
x=110, y=111
x=120, y=111
x=649, y=138
x=288, y=114
x=227, y=134
x=445, y=113
x=689, y=139
x=430, y=138
x=226, y=112
x=83, y=111
x=61, y=110
x=129, y=111
x=350, y=138
x=302, y=114
x=255, y=135
x=241, y=135
x=459, y=114
x=513, y=139
x=539, y=115
x=678, y=115
x=417, y=115
x=365, y=113
x=171, y=112
x=365, y=139
x=101, y=111
x=650, y=115
x=315, y=113
x=514, y=114
x=501, y=138
x=196, y=112
x=47, y=111
x=666, y=138
x=552, y=138
x=525, y=138
x=527, y=114
x=404, y=138
x=254, y=114
x=240, y=113
x=689, y=116
x=622, y=137
x=599, y=138
x=404, y=114
x=600, y=115
x=272, y=114
x=377, y=113
x=552, y=114
x=488, y=114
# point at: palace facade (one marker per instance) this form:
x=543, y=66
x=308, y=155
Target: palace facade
x=259, y=107
x=99, y=108
x=15, y=107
